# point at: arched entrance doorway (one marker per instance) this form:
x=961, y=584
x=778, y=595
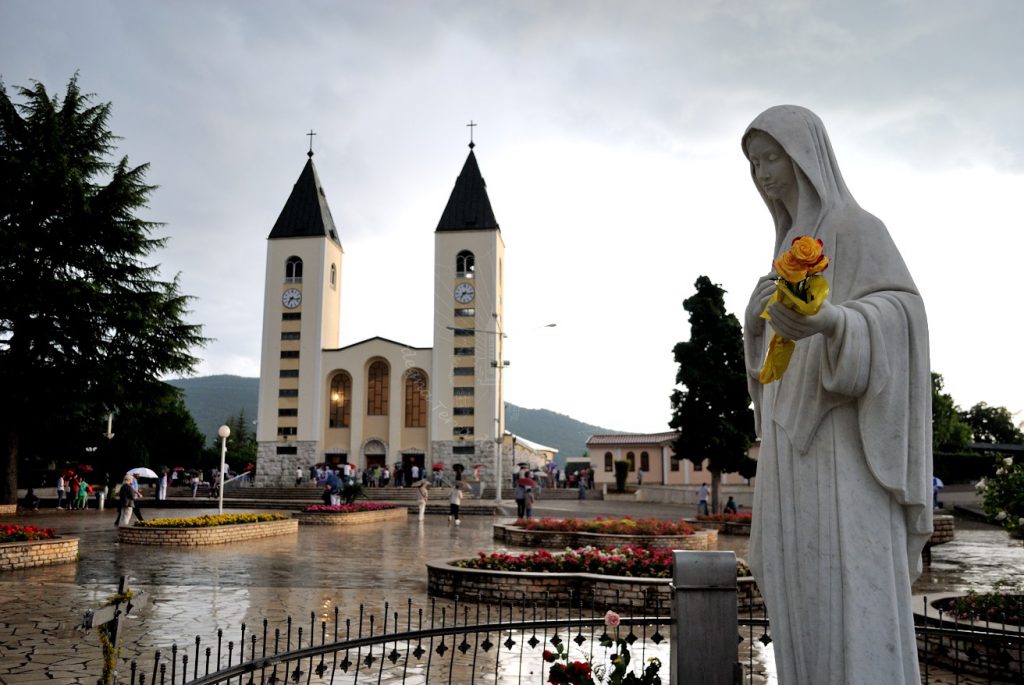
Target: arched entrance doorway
x=375, y=453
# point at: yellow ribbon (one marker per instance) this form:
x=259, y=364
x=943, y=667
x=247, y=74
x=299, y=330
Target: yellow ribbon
x=780, y=350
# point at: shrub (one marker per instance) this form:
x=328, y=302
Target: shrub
x=1003, y=496
x=745, y=517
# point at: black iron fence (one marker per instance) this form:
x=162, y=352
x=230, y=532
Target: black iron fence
x=513, y=642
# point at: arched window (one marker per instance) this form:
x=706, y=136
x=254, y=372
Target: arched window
x=416, y=399
x=334, y=276
x=465, y=264
x=341, y=401
x=608, y=462
x=631, y=458
x=377, y=389
x=645, y=461
x=293, y=270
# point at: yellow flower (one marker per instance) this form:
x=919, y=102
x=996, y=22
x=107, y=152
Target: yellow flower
x=790, y=268
x=804, y=258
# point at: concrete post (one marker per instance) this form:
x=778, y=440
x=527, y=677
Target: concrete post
x=705, y=639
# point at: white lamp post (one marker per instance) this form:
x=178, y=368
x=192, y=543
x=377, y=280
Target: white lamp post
x=223, y=432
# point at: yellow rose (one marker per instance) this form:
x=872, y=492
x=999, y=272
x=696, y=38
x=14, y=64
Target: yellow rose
x=806, y=250
x=790, y=268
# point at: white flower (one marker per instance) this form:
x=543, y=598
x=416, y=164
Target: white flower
x=1000, y=471
x=1001, y=516
x=980, y=485
x=1008, y=461
x=1020, y=521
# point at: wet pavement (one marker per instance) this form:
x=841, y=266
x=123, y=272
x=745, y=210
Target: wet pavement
x=198, y=590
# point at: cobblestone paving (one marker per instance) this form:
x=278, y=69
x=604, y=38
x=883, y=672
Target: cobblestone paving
x=196, y=590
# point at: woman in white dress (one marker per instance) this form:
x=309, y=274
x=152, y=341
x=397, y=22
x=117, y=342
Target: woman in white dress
x=842, y=503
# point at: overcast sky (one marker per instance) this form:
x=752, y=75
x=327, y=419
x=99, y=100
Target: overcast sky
x=609, y=139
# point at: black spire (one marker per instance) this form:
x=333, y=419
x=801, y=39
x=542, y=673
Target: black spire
x=306, y=212
x=468, y=208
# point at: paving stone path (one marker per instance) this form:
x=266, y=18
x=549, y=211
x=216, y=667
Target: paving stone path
x=196, y=590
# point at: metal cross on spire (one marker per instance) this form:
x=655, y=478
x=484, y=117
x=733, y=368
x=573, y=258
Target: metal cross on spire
x=310, y=134
x=471, y=126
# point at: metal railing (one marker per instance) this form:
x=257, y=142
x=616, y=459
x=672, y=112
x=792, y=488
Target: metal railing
x=449, y=642
x=699, y=635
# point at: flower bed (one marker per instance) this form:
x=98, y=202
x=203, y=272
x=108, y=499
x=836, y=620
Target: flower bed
x=993, y=619
x=632, y=577
x=207, y=530
x=28, y=546
x=350, y=514
x=602, y=532
x=13, y=533
x=730, y=524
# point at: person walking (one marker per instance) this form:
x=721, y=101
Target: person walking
x=528, y=500
x=161, y=491
x=702, y=500
x=60, y=491
x=422, y=496
x=299, y=476
x=454, y=502
x=520, y=498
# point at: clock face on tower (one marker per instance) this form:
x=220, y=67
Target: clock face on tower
x=291, y=298
x=464, y=293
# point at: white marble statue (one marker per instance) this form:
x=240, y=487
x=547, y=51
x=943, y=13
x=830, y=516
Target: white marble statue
x=842, y=504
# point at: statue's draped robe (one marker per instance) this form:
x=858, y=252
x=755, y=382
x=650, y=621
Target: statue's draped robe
x=842, y=505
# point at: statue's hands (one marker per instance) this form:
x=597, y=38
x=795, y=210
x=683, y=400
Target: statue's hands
x=794, y=326
x=758, y=299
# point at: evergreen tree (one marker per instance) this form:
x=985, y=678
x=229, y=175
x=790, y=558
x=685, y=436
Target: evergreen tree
x=241, y=448
x=86, y=324
x=949, y=432
x=711, y=409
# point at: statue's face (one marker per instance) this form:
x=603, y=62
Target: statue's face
x=773, y=169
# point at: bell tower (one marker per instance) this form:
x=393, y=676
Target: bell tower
x=301, y=317
x=467, y=411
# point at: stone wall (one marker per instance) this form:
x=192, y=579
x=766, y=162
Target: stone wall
x=702, y=540
x=275, y=470
x=14, y=555
x=942, y=529
x=211, y=535
x=650, y=595
x=6, y=509
x=326, y=518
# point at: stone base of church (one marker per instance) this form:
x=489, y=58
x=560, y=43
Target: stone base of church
x=273, y=469
x=445, y=452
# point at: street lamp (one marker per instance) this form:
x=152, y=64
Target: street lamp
x=223, y=432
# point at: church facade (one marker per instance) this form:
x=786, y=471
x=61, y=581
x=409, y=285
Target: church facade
x=379, y=401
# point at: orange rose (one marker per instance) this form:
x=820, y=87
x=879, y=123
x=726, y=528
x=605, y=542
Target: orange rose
x=790, y=268
x=804, y=258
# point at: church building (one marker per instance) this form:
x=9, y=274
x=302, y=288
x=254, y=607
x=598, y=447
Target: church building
x=379, y=401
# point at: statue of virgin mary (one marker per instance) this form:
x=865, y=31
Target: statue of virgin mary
x=842, y=505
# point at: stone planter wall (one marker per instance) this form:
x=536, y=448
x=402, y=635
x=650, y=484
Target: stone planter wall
x=14, y=555
x=650, y=595
x=212, y=535
x=8, y=509
x=326, y=518
x=702, y=540
x=942, y=529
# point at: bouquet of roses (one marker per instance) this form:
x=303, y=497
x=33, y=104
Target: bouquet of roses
x=799, y=287
x=619, y=672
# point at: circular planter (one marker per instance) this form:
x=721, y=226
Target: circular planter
x=650, y=595
x=981, y=648
x=31, y=553
x=209, y=535
x=512, y=534
x=330, y=518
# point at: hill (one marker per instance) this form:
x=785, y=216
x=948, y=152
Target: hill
x=214, y=399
